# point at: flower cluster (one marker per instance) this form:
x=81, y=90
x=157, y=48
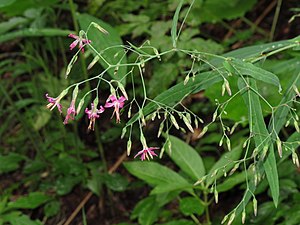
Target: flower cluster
x=94, y=112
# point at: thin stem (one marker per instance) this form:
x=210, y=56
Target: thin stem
x=205, y=195
x=72, y=8
x=279, y=2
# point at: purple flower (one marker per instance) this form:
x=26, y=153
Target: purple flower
x=113, y=101
x=54, y=102
x=71, y=112
x=81, y=41
x=146, y=153
x=93, y=115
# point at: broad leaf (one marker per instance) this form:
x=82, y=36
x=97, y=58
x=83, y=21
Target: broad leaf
x=10, y=162
x=217, y=10
x=186, y=158
x=22, y=219
x=155, y=174
x=191, y=205
x=32, y=201
x=147, y=211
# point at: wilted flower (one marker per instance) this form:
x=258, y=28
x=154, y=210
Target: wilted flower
x=113, y=101
x=80, y=40
x=71, y=112
x=93, y=115
x=54, y=102
x=146, y=153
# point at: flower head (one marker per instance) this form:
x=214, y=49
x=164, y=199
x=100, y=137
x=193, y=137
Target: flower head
x=54, y=102
x=71, y=112
x=146, y=153
x=117, y=103
x=93, y=115
x=80, y=40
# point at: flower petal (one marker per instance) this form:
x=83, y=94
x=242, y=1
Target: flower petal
x=73, y=44
x=109, y=105
x=73, y=36
x=122, y=99
x=139, y=153
x=113, y=98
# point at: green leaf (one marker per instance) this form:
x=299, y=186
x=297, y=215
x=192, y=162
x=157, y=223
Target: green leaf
x=146, y=211
x=174, y=24
x=52, y=208
x=11, y=23
x=155, y=174
x=140, y=205
x=42, y=118
x=18, y=7
x=278, y=125
x=10, y=162
x=179, y=222
x=103, y=43
x=166, y=188
x=246, y=68
x=95, y=182
x=32, y=201
x=270, y=167
x=232, y=181
x=163, y=76
x=115, y=182
x=191, y=205
x=149, y=214
x=218, y=10
x=31, y=32
x=201, y=45
x=254, y=53
x=262, y=136
x=4, y=3
x=21, y=220
x=225, y=163
x=186, y=158
x=65, y=184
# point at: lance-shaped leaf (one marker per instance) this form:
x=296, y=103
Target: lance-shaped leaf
x=261, y=135
x=246, y=68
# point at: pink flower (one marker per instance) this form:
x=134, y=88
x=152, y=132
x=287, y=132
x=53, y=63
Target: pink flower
x=113, y=101
x=93, y=115
x=81, y=41
x=146, y=153
x=54, y=102
x=71, y=111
